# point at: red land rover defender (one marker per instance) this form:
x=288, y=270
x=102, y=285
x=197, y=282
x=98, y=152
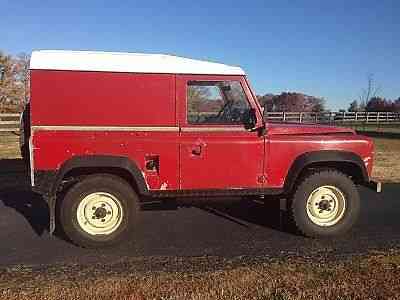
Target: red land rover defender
x=103, y=131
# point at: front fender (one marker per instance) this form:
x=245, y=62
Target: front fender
x=328, y=157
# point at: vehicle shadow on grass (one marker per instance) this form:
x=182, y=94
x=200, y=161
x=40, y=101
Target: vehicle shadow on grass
x=15, y=193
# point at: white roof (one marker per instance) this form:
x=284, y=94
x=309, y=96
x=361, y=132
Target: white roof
x=126, y=62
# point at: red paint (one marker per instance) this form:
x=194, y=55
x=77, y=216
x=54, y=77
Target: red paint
x=102, y=98
x=228, y=159
x=284, y=149
x=301, y=129
x=53, y=148
x=105, y=99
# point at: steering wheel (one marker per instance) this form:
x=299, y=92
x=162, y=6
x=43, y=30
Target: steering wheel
x=225, y=114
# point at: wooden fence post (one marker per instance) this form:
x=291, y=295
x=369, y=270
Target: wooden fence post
x=377, y=121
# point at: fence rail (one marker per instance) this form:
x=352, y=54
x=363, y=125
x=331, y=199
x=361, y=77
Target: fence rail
x=10, y=122
x=335, y=117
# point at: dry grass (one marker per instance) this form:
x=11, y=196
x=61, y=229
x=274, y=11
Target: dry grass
x=9, y=145
x=387, y=160
x=373, y=277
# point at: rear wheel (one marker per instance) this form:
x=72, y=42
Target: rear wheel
x=98, y=211
x=324, y=204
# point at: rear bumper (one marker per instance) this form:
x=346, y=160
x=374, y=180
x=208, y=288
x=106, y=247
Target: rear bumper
x=375, y=186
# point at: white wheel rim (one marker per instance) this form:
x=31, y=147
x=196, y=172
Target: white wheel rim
x=99, y=213
x=326, y=205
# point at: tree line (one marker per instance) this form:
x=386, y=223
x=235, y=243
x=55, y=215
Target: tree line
x=296, y=102
x=376, y=104
x=292, y=101
x=369, y=99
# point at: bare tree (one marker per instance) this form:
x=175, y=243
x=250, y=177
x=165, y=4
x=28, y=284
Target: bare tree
x=22, y=61
x=371, y=91
x=14, y=89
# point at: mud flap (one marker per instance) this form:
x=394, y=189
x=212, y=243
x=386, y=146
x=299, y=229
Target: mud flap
x=51, y=202
x=376, y=186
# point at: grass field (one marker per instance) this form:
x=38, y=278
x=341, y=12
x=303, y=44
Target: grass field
x=383, y=128
x=376, y=276
x=9, y=146
x=387, y=160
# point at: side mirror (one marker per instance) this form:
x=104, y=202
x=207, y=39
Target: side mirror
x=251, y=119
x=226, y=88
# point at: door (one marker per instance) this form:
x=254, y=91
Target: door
x=216, y=149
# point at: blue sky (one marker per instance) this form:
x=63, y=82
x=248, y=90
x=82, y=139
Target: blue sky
x=321, y=48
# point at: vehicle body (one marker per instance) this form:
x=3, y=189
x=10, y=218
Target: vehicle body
x=166, y=127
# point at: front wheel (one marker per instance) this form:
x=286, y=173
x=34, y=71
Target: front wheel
x=325, y=203
x=98, y=211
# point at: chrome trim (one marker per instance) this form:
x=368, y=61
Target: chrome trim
x=213, y=129
x=104, y=128
x=31, y=166
x=136, y=128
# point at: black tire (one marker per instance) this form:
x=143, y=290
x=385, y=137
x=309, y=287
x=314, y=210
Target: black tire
x=300, y=213
x=100, y=183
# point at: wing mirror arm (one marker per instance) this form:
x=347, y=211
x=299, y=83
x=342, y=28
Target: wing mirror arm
x=251, y=123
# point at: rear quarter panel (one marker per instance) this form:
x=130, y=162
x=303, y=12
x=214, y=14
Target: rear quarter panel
x=103, y=100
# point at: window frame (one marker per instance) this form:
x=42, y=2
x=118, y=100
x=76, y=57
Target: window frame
x=214, y=82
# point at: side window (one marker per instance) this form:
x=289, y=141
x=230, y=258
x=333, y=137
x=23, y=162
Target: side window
x=216, y=102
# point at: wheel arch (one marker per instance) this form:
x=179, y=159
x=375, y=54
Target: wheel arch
x=349, y=163
x=115, y=165
x=86, y=165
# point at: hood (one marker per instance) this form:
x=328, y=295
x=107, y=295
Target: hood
x=305, y=129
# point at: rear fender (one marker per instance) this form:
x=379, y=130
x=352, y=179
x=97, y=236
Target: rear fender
x=48, y=183
x=102, y=162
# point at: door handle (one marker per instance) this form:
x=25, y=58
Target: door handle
x=196, y=150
